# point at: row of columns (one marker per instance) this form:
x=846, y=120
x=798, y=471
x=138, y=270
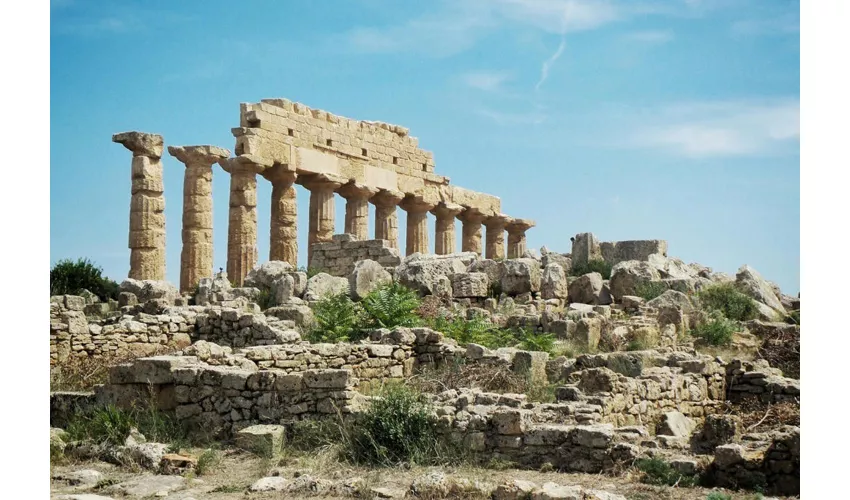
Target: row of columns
x=147, y=220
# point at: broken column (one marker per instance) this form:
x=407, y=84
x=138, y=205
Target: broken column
x=472, y=218
x=242, y=223
x=196, y=257
x=516, y=236
x=445, y=214
x=417, y=208
x=496, y=236
x=283, y=238
x=357, y=208
x=386, y=218
x=147, y=206
x=321, y=220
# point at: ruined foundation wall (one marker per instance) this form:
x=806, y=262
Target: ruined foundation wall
x=338, y=257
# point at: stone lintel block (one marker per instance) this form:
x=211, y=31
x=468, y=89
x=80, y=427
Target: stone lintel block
x=387, y=198
x=356, y=190
x=205, y=155
x=244, y=164
x=519, y=225
x=140, y=143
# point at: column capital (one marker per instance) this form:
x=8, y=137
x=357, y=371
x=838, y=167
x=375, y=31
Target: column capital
x=280, y=172
x=140, y=143
x=446, y=210
x=356, y=191
x=248, y=164
x=387, y=198
x=472, y=215
x=497, y=221
x=322, y=181
x=519, y=225
x=205, y=155
x=416, y=203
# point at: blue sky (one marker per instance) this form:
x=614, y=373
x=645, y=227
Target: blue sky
x=673, y=119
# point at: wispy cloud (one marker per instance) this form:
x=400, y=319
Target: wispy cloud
x=726, y=128
x=784, y=24
x=508, y=118
x=488, y=81
x=651, y=37
x=559, y=16
x=547, y=64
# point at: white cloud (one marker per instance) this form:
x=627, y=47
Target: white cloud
x=506, y=118
x=558, y=16
x=488, y=81
x=652, y=37
x=547, y=64
x=725, y=128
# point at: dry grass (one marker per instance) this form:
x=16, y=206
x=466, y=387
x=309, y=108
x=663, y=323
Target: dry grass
x=757, y=416
x=782, y=350
x=82, y=373
x=487, y=377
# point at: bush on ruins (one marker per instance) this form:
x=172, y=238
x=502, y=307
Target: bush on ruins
x=69, y=277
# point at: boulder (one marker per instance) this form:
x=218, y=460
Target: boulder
x=324, y=285
x=515, y=489
x=585, y=248
x=283, y=289
x=549, y=257
x=271, y=483
x=626, y=275
x=750, y=282
x=470, y=285
x=264, y=275
x=676, y=424
x=146, y=290
x=619, y=251
x=301, y=314
x=553, y=491
x=672, y=298
x=263, y=440
x=586, y=289
x=494, y=270
x=521, y=276
x=588, y=332
x=553, y=283
x=421, y=272
x=367, y=276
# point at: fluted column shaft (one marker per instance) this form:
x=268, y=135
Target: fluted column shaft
x=357, y=209
x=196, y=256
x=242, y=219
x=283, y=237
x=386, y=218
x=516, y=237
x=445, y=239
x=471, y=230
x=495, y=237
x=147, y=206
x=417, y=224
x=322, y=211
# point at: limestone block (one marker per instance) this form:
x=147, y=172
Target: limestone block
x=328, y=379
x=470, y=285
x=627, y=275
x=367, y=276
x=676, y=424
x=421, y=272
x=521, y=276
x=511, y=422
x=553, y=491
x=323, y=285
x=585, y=248
x=263, y=440
x=750, y=282
x=553, y=283
x=264, y=275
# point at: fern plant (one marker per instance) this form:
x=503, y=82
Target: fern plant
x=389, y=306
x=336, y=318
x=531, y=340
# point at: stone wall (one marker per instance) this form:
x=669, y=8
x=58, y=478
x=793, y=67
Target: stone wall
x=619, y=251
x=338, y=257
x=759, y=381
x=769, y=463
x=239, y=328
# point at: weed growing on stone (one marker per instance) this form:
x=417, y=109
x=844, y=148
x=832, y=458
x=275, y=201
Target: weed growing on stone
x=727, y=299
x=208, y=461
x=649, y=290
x=111, y=424
x=592, y=266
x=716, y=330
x=388, y=306
x=717, y=495
x=660, y=473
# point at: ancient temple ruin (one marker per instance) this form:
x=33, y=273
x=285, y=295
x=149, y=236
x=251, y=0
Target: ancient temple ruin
x=287, y=143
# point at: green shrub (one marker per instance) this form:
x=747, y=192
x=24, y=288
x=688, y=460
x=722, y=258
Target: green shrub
x=636, y=345
x=592, y=266
x=112, y=424
x=717, y=330
x=649, y=290
x=336, y=317
x=68, y=277
x=398, y=428
x=265, y=299
x=531, y=340
x=659, y=473
x=388, y=306
x=717, y=495
x=793, y=317
x=727, y=299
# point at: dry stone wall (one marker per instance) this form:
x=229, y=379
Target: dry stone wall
x=339, y=256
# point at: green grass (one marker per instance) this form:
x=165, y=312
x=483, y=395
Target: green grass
x=531, y=340
x=112, y=424
x=660, y=473
x=717, y=495
x=208, y=461
x=649, y=290
x=592, y=266
x=727, y=299
x=716, y=330
x=228, y=488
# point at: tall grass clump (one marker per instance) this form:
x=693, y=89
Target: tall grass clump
x=727, y=299
x=592, y=266
x=660, y=473
x=111, y=424
x=69, y=277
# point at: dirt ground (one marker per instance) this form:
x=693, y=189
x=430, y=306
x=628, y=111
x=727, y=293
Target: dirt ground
x=236, y=470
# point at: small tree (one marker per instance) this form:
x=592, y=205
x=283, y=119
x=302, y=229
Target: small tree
x=68, y=277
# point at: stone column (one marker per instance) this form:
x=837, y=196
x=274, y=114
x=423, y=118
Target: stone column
x=471, y=232
x=357, y=208
x=147, y=206
x=417, y=223
x=386, y=218
x=516, y=236
x=445, y=227
x=321, y=187
x=496, y=236
x=242, y=222
x=196, y=257
x=283, y=239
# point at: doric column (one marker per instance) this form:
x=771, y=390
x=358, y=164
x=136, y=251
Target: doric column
x=283, y=239
x=147, y=206
x=196, y=257
x=417, y=209
x=321, y=187
x=242, y=222
x=445, y=227
x=386, y=219
x=357, y=208
x=516, y=236
x=496, y=236
x=471, y=218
